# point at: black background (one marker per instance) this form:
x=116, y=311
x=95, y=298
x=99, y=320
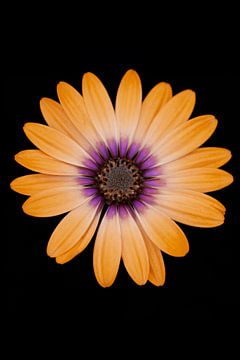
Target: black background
x=201, y=289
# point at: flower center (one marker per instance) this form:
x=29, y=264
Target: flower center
x=119, y=181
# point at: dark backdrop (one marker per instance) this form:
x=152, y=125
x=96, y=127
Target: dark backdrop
x=201, y=288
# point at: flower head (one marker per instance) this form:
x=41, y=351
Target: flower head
x=140, y=164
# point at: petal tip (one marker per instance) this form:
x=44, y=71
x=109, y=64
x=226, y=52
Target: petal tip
x=25, y=208
x=105, y=284
x=190, y=94
x=12, y=185
x=226, y=156
x=131, y=74
x=88, y=76
x=44, y=101
x=229, y=154
x=88, y=73
x=211, y=119
x=165, y=84
x=131, y=71
x=157, y=282
x=141, y=282
x=28, y=125
x=214, y=123
x=183, y=251
x=29, y=210
x=61, y=86
x=18, y=156
x=51, y=251
x=230, y=179
x=59, y=261
x=62, y=83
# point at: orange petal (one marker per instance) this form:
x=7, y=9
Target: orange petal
x=56, y=118
x=82, y=243
x=185, y=138
x=53, y=201
x=163, y=232
x=99, y=106
x=210, y=157
x=157, y=272
x=31, y=184
x=128, y=104
x=134, y=252
x=55, y=143
x=107, y=250
x=191, y=207
x=73, y=105
x=71, y=230
x=36, y=160
x=198, y=179
x=154, y=101
x=175, y=112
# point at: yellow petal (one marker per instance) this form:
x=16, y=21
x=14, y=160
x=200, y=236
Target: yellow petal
x=56, y=118
x=211, y=157
x=36, y=160
x=128, y=104
x=191, y=208
x=163, y=232
x=99, y=106
x=154, y=101
x=134, y=252
x=31, y=184
x=175, y=112
x=73, y=105
x=185, y=138
x=157, y=272
x=53, y=201
x=198, y=179
x=82, y=243
x=72, y=229
x=107, y=250
x=55, y=143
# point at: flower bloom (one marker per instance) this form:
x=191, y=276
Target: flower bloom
x=140, y=166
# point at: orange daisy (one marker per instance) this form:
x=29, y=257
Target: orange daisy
x=140, y=165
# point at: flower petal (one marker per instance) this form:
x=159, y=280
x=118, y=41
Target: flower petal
x=163, y=231
x=199, y=179
x=128, y=104
x=72, y=229
x=73, y=105
x=154, y=101
x=99, y=106
x=53, y=201
x=82, y=243
x=107, y=250
x=36, y=160
x=55, y=143
x=157, y=272
x=56, y=118
x=134, y=252
x=191, y=208
x=31, y=184
x=175, y=112
x=185, y=138
x=210, y=157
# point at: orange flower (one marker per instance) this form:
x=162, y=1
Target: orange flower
x=141, y=165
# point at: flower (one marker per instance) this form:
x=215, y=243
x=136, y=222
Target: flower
x=140, y=166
